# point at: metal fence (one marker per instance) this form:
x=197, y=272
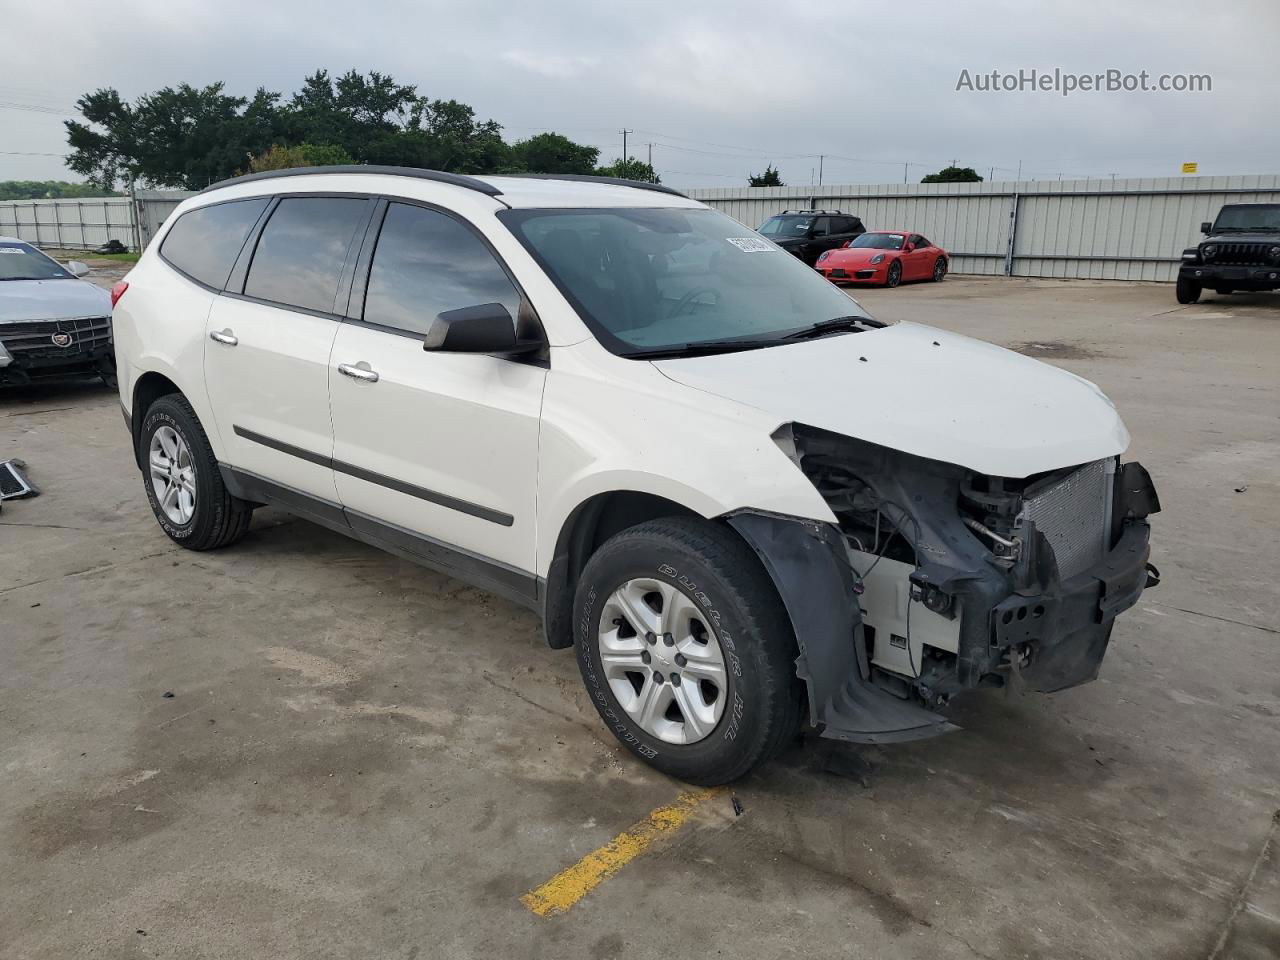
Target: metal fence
x=83, y=224
x=1096, y=229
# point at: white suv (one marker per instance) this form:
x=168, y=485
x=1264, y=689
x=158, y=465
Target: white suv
x=743, y=500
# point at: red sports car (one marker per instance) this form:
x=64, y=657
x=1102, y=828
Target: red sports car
x=887, y=257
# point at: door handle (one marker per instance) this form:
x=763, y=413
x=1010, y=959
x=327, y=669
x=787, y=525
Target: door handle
x=224, y=336
x=358, y=371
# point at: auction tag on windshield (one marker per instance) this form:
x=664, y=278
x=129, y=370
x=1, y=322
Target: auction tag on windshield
x=751, y=244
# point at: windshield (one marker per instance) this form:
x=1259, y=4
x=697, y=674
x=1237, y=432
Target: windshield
x=20, y=261
x=1249, y=216
x=786, y=226
x=655, y=280
x=879, y=241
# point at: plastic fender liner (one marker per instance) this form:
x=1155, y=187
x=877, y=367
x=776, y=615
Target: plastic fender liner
x=806, y=560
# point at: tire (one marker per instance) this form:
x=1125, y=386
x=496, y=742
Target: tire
x=1188, y=291
x=715, y=580
x=894, y=276
x=217, y=519
x=939, y=270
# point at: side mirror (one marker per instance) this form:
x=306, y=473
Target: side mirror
x=77, y=269
x=909, y=247
x=1206, y=228
x=484, y=328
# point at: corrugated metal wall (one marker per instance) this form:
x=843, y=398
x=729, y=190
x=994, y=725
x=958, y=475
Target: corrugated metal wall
x=1099, y=229
x=87, y=223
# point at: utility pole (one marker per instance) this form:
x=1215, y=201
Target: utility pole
x=904, y=172
x=625, y=131
x=819, y=169
x=1019, y=169
x=991, y=174
x=651, y=156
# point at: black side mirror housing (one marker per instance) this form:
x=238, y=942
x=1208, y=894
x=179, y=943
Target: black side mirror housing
x=1206, y=228
x=483, y=328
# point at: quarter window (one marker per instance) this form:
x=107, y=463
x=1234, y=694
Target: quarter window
x=427, y=263
x=303, y=249
x=204, y=243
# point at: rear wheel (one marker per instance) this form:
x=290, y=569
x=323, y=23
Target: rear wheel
x=894, y=276
x=1188, y=291
x=686, y=651
x=183, y=485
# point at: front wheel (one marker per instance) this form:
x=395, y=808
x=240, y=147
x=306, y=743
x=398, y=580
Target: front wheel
x=894, y=276
x=939, y=270
x=686, y=650
x=183, y=485
x=1188, y=291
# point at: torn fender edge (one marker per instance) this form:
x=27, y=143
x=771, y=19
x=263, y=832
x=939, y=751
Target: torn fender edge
x=806, y=561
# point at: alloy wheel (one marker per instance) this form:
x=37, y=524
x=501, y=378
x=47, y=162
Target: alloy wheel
x=662, y=661
x=173, y=476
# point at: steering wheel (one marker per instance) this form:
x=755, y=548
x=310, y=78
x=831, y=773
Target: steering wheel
x=684, y=302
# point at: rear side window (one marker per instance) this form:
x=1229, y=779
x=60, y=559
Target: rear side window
x=303, y=249
x=426, y=263
x=204, y=243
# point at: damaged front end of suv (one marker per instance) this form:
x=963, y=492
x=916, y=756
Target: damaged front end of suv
x=946, y=580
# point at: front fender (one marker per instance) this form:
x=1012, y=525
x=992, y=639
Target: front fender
x=805, y=559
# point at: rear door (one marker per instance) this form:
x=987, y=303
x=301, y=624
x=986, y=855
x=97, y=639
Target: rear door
x=436, y=453
x=269, y=338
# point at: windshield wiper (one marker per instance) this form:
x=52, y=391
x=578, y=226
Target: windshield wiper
x=836, y=325
x=700, y=348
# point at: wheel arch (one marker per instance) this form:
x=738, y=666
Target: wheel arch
x=147, y=389
x=587, y=526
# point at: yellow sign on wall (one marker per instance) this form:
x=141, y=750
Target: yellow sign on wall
x=1189, y=167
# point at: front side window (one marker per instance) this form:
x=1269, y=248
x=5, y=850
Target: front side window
x=303, y=249
x=21, y=261
x=879, y=241
x=649, y=280
x=204, y=243
x=427, y=263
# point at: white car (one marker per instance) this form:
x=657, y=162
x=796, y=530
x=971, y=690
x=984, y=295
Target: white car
x=52, y=323
x=743, y=500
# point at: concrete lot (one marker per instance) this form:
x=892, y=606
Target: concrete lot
x=362, y=758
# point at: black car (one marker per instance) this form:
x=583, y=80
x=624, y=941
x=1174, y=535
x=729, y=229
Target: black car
x=1241, y=251
x=808, y=233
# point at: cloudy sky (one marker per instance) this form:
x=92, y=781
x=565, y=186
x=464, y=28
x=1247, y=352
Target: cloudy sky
x=718, y=87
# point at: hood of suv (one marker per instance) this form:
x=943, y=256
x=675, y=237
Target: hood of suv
x=51, y=300
x=1243, y=236
x=922, y=391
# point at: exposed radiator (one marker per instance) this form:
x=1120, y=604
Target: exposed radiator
x=1074, y=515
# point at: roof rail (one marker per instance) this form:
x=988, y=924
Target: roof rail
x=589, y=178
x=454, y=179
x=839, y=213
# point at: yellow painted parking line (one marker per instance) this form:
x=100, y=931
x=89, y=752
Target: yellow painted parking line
x=572, y=884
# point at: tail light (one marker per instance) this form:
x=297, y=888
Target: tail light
x=117, y=292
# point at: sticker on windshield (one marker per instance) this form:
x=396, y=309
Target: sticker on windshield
x=751, y=244
x=14, y=250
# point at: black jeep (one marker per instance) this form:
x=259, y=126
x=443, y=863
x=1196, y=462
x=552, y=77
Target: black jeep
x=808, y=233
x=1241, y=251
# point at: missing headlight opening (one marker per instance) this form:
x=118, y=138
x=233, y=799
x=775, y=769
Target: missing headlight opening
x=964, y=580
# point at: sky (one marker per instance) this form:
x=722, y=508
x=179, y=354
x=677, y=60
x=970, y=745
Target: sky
x=718, y=88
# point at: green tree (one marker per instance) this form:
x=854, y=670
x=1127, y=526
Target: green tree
x=189, y=137
x=953, y=175
x=630, y=169
x=42, y=189
x=553, y=153
x=303, y=155
x=176, y=137
x=769, y=178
